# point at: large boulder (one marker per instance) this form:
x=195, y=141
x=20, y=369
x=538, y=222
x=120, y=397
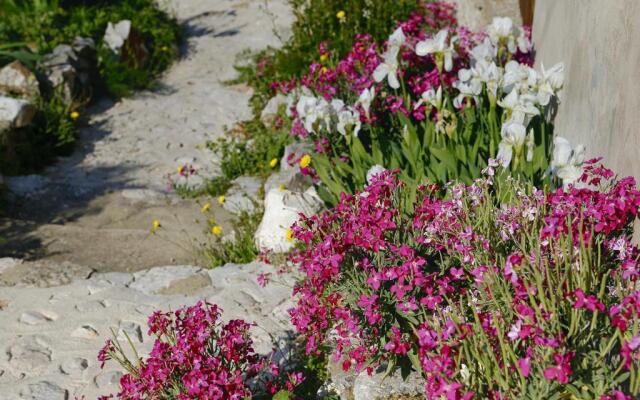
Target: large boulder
x=17, y=79
x=69, y=69
x=282, y=208
x=85, y=49
x=15, y=113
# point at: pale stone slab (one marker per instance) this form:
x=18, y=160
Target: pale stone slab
x=281, y=210
x=598, y=43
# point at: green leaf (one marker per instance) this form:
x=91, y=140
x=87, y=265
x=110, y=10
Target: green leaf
x=445, y=157
x=415, y=360
x=405, y=368
x=461, y=152
x=282, y=395
x=376, y=153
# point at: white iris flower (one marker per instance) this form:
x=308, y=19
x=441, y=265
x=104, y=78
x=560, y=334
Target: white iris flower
x=567, y=160
x=437, y=45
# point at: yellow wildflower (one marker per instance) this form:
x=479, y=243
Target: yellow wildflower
x=273, y=162
x=341, y=14
x=281, y=187
x=289, y=235
x=323, y=70
x=74, y=115
x=305, y=161
x=155, y=225
x=324, y=57
x=180, y=169
x=221, y=199
x=216, y=230
x=205, y=207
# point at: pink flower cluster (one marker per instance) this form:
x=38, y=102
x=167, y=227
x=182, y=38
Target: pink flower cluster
x=195, y=356
x=496, y=281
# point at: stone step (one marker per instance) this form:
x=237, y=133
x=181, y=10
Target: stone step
x=105, y=250
x=112, y=232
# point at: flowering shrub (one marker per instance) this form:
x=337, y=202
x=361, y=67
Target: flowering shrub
x=490, y=290
x=435, y=105
x=323, y=32
x=318, y=25
x=196, y=356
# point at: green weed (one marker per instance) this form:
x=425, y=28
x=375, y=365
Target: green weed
x=51, y=134
x=251, y=151
x=240, y=248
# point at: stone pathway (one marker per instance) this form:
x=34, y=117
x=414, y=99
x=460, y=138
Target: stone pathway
x=49, y=337
x=114, y=185
x=82, y=227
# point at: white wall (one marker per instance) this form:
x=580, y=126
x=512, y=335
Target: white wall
x=599, y=42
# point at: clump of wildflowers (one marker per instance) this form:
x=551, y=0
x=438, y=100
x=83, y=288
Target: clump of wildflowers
x=489, y=290
x=197, y=356
x=435, y=100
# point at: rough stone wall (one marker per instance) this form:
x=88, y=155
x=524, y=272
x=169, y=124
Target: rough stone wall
x=598, y=41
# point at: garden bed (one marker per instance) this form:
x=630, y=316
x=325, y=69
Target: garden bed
x=465, y=249
x=58, y=56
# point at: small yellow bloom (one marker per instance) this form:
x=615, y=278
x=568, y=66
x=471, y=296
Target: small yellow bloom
x=155, y=225
x=216, y=230
x=164, y=48
x=324, y=57
x=221, y=199
x=74, y=115
x=341, y=14
x=305, y=161
x=281, y=187
x=289, y=235
x=205, y=207
x=180, y=169
x=273, y=163
x=323, y=70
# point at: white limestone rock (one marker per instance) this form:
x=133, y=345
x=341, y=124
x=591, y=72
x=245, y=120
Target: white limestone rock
x=155, y=280
x=243, y=194
x=289, y=179
x=37, y=317
x=270, y=111
x=75, y=367
x=281, y=210
x=15, y=113
x=44, y=391
x=17, y=79
x=116, y=34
